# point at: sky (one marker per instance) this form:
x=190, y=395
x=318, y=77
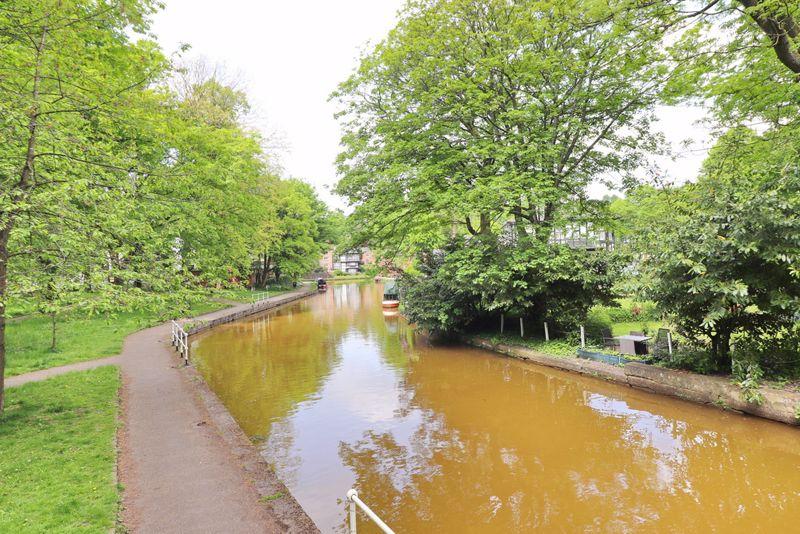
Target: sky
x=289, y=57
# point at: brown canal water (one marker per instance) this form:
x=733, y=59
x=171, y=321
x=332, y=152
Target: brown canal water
x=455, y=439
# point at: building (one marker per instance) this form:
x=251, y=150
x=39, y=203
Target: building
x=351, y=262
x=579, y=236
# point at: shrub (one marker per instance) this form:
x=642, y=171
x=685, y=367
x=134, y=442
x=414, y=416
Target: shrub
x=748, y=375
x=371, y=270
x=474, y=281
x=597, y=324
x=630, y=311
x=691, y=357
x=777, y=353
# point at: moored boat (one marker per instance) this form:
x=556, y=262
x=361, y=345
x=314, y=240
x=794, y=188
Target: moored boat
x=391, y=295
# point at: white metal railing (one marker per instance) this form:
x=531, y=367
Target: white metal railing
x=180, y=340
x=353, y=501
x=255, y=298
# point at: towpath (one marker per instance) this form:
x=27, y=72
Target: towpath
x=177, y=465
x=183, y=468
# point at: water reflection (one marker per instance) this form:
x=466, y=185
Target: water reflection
x=450, y=439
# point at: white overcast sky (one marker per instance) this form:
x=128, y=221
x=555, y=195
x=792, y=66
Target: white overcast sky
x=291, y=55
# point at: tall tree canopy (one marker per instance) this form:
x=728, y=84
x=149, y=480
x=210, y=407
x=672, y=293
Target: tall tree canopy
x=120, y=175
x=470, y=113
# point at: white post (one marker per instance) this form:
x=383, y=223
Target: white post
x=352, y=516
x=352, y=496
x=502, y=322
x=583, y=338
x=521, y=328
x=546, y=332
x=669, y=342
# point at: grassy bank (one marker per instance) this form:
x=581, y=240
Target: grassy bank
x=57, y=464
x=80, y=337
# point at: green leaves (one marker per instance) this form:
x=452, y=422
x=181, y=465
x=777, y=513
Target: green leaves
x=480, y=279
x=493, y=111
x=727, y=268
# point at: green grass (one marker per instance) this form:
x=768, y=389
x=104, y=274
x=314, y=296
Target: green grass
x=560, y=348
x=78, y=337
x=650, y=327
x=58, y=454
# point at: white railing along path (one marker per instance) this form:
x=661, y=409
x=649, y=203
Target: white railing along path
x=261, y=296
x=353, y=501
x=180, y=340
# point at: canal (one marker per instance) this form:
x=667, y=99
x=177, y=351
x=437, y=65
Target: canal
x=454, y=439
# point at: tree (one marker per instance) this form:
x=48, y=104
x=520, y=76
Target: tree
x=116, y=181
x=476, y=120
x=298, y=243
x=473, y=113
x=69, y=69
x=471, y=281
x=728, y=260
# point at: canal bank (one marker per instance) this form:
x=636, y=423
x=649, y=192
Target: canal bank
x=337, y=395
x=777, y=405
x=183, y=461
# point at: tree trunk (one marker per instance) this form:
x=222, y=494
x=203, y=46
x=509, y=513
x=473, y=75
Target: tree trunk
x=22, y=186
x=486, y=224
x=4, y=234
x=782, y=31
x=53, y=331
x=721, y=350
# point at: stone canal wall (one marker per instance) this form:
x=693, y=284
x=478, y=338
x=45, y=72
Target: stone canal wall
x=273, y=493
x=778, y=405
x=240, y=312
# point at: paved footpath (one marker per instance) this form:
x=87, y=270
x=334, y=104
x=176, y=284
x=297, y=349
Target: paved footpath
x=44, y=374
x=178, y=472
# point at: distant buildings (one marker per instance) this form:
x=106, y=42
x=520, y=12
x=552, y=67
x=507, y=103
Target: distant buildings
x=351, y=262
x=580, y=236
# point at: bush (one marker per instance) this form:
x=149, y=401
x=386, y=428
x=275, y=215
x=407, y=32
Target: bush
x=778, y=354
x=748, y=375
x=695, y=358
x=439, y=306
x=473, y=281
x=597, y=324
x=371, y=270
x=630, y=311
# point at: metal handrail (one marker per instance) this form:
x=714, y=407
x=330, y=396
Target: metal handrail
x=261, y=296
x=353, y=500
x=180, y=340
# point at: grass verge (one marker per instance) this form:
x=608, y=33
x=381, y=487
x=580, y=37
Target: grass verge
x=79, y=337
x=559, y=348
x=649, y=327
x=58, y=454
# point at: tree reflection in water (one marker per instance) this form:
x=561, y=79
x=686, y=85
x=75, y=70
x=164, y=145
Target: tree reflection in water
x=450, y=439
